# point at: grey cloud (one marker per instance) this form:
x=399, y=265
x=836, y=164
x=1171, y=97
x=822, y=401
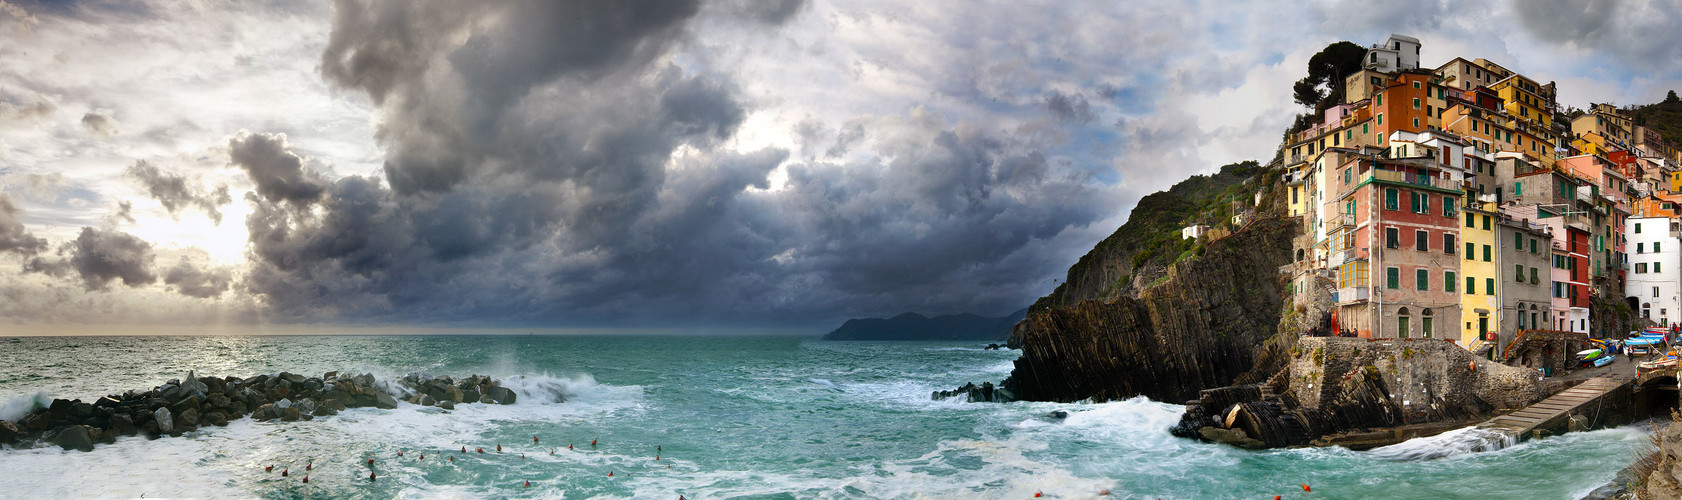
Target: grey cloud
x=1639, y=33
x=772, y=12
x=14, y=237
x=1069, y=108
x=125, y=212
x=172, y=191
x=278, y=172
x=99, y=256
x=100, y=124
x=19, y=108
x=192, y=280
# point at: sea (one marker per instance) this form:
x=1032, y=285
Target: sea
x=754, y=417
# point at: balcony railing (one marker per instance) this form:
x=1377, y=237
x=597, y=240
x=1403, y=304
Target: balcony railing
x=1415, y=179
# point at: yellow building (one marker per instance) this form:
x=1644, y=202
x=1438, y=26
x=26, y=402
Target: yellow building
x=1480, y=304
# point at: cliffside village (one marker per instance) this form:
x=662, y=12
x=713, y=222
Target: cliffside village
x=1460, y=203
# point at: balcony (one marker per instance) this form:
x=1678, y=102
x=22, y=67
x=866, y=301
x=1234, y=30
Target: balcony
x=1340, y=222
x=1426, y=181
x=1352, y=295
x=1585, y=194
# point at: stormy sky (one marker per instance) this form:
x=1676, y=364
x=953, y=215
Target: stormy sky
x=756, y=164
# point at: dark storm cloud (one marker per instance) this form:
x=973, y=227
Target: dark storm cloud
x=772, y=12
x=171, y=190
x=99, y=256
x=1069, y=108
x=99, y=124
x=539, y=171
x=278, y=173
x=1640, y=33
x=13, y=236
x=193, y=280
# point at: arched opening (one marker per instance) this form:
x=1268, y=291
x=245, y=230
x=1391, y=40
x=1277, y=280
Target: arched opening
x=1403, y=323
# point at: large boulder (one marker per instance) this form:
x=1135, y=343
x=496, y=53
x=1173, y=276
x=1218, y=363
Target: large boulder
x=289, y=414
x=216, y=418
x=192, y=386
x=265, y=412
x=75, y=437
x=500, y=395
x=385, y=401
x=9, y=432
x=190, y=417
x=121, y=424
x=34, y=422
x=166, y=422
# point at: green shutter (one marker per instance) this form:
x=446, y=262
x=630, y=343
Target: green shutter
x=1471, y=251
x=1518, y=189
x=1486, y=253
x=1422, y=279
x=1471, y=285
x=1390, y=201
x=1489, y=286
x=1393, y=278
x=1448, y=281
x=1518, y=240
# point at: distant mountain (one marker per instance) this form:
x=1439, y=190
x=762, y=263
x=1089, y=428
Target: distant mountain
x=913, y=326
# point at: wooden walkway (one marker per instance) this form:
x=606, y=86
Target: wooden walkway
x=1520, y=423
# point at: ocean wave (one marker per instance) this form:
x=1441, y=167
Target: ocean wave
x=17, y=407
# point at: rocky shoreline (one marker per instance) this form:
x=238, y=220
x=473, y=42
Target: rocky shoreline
x=185, y=405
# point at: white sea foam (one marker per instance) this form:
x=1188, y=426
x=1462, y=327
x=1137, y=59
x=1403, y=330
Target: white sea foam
x=17, y=407
x=1448, y=444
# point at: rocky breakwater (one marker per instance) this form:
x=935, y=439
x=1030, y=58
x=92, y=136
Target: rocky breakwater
x=1200, y=328
x=186, y=405
x=1339, y=385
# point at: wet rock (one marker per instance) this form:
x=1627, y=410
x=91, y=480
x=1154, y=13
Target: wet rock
x=469, y=394
x=60, y=409
x=333, y=404
x=306, y=407
x=265, y=412
x=190, y=417
x=150, y=429
x=108, y=402
x=283, y=403
x=122, y=424
x=1057, y=415
x=448, y=405
x=986, y=392
x=34, y=422
x=165, y=421
x=385, y=401
x=292, y=377
x=289, y=414
x=9, y=432
x=216, y=418
x=500, y=395
x=75, y=437
x=192, y=386
x=1235, y=437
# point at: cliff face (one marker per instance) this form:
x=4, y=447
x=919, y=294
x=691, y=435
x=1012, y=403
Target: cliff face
x=1142, y=249
x=1200, y=328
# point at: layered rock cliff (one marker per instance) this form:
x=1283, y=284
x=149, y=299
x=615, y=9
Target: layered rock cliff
x=1199, y=328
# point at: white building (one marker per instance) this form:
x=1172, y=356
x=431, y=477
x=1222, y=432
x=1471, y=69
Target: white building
x=1193, y=232
x=1395, y=53
x=1655, y=268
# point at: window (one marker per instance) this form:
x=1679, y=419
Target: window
x=1422, y=241
x=1489, y=286
x=1392, y=238
x=1533, y=245
x=1518, y=270
x=1415, y=84
x=1347, y=178
x=1640, y=248
x=1471, y=250
x=1448, y=281
x=1393, y=278
x=1381, y=115
x=1471, y=286
x=1425, y=325
x=1448, y=206
x=1486, y=223
x=1422, y=279
x=1364, y=128
x=1486, y=257
x=1416, y=120
x=1656, y=246
x=1518, y=188
x=1518, y=240
x=1641, y=268
x=1533, y=279
x=1448, y=243
x=1390, y=199
x=1471, y=220
x=1655, y=292
x=1380, y=103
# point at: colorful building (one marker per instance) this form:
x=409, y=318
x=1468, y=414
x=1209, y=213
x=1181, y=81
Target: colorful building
x=1396, y=274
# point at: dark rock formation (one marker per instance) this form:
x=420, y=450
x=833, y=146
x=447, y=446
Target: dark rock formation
x=913, y=326
x=75, y=437
x=985, y=393
x=1201, y=328
x=181, y=406
x=1335, y=385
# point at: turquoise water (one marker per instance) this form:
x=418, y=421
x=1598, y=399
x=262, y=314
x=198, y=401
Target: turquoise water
x=735, y=417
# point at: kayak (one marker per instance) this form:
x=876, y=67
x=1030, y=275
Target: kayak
x=1589, y=354
x=1603, y=361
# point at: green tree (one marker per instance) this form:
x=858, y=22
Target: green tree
x=1671, y=98
x=1327, y=70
